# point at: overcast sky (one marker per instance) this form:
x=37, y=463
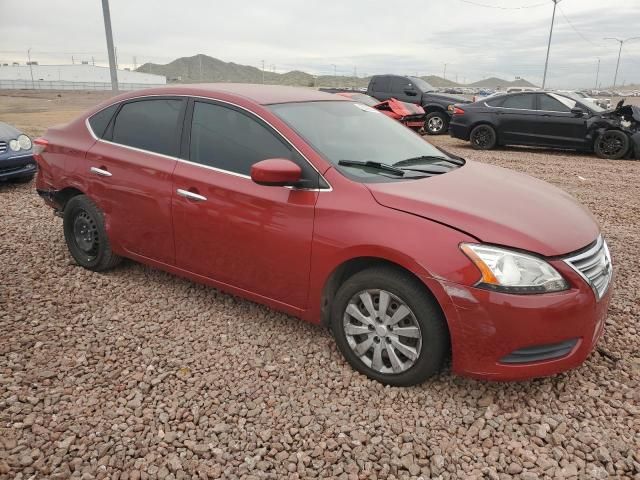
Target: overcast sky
x=374, y=36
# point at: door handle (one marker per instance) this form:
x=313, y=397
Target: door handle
x=100, y=171
x=190, y=195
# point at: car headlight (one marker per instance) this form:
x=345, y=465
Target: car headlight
x=14, y=145
x=24, y=142
x=513, y=272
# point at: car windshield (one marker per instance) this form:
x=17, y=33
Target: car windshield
x=355, y=132
x=422, y=85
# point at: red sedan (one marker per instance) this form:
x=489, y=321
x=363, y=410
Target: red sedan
x=408, y=114
x=326, y=209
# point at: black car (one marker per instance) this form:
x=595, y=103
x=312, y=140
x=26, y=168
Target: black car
x=437, y=106
x=16, y=155
x=549, y=119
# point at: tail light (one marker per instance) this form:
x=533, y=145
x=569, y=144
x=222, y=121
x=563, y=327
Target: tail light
x=458, y=111
x=39, y=146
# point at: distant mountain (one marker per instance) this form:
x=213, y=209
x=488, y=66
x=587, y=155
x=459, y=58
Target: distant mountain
x=439, y=82
x=495, y=82
x=203, y=68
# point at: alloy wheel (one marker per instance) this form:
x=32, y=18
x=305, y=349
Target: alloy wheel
x=482, y=137
x=611, y=144
x=382, y=331
x=435, y=124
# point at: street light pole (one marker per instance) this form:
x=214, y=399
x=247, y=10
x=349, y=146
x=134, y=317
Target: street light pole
x=335, y=80
x=546, y=62
x=112, y=56
x=30, y=67
x=597, y=73
x=444, y=73
x=621, y=42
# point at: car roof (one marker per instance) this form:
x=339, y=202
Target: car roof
x=256, y=93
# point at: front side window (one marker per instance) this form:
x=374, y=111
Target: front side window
x=151, y=125
x=555, y=104
x=524, y=101
x=399, y=85
x=230, y=140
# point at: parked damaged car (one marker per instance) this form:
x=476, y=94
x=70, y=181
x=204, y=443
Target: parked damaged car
x=409, y=114
x=16, y=155
x=549, y=119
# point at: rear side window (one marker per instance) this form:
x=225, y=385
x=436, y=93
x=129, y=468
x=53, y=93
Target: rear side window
x=495, y=102
x=524, y=101
x=100, y=121
x=150, y=125
x=382, y=84
x=227, y=139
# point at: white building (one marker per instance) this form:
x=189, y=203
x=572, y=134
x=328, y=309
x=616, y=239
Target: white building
x=80, y=74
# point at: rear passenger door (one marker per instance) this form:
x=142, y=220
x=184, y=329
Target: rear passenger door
x=517, y=116
x=129, y=173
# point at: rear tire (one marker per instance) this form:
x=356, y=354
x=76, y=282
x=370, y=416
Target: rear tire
x=436, y=123
x=86, y=236
x=612, y=145
x=409, y=336
x=483, y=137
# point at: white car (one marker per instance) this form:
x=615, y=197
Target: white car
x=601, y=102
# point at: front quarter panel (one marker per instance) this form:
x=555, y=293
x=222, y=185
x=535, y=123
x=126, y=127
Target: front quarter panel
x=350, y=224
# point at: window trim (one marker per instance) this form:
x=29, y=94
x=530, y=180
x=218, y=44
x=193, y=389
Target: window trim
x=182, y=129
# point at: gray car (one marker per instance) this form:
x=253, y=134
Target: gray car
x=16, y=155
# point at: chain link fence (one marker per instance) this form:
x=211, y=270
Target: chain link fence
x=63, y=85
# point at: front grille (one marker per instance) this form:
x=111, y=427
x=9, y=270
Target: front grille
x=594, y=266
x=3, y=147
x=540, y=353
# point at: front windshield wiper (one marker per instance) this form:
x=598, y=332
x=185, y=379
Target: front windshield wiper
x=378, y=165
x=428, y=158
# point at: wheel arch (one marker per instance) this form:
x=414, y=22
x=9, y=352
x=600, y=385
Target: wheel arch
x=62, y=197
x=350, y=267
x=488, y=123
x=433, y=107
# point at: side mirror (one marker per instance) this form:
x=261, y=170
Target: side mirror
x=276, y=172
x=411, y=93
x=577, y=111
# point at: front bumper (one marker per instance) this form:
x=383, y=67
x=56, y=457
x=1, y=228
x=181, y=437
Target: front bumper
x=498, y=336
x=17, y=167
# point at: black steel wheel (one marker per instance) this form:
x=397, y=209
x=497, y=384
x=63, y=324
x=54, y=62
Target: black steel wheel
x=86, y=236
x=612, y=145
x=483, y=137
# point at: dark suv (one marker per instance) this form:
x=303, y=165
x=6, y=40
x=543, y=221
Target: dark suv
x=438, y=106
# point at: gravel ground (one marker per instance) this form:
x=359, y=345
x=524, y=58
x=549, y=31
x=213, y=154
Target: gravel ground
x=138, y=374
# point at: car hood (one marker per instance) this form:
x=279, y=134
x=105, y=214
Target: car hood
x=497, y=206
x=447, y=96
x=8, y=132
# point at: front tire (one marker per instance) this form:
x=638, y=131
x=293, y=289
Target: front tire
x=86, y=236
x=483, y=137
x=436, y=123
x=388, y=327
x=612, y=145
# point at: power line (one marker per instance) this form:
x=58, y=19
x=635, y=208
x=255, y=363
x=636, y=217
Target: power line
x=477, y=4
x=576, y=30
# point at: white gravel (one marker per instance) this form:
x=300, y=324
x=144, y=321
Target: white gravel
x=138, y=374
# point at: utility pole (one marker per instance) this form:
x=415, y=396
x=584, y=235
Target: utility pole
x=597, y=73
x=622, y=42
x=444, y=73
x=30, y=67
x=263, y=71
x=112, y=56
x=335, y=81
x=73, y=62
x=546, y=62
